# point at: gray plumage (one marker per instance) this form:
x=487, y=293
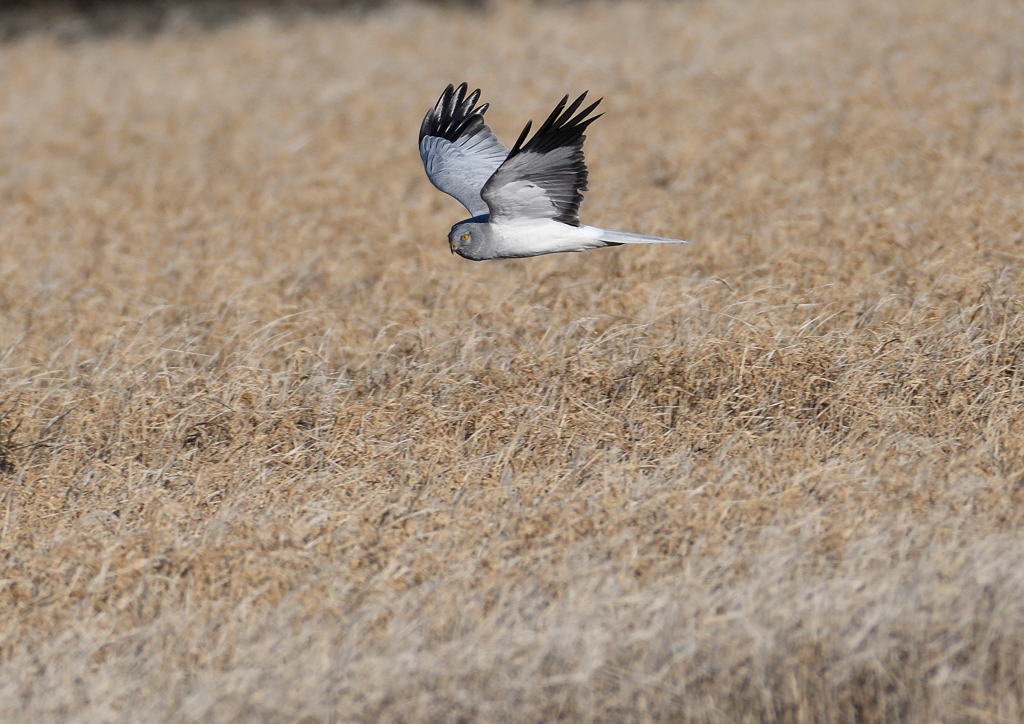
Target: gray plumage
x=459, y=151
x=523, y=202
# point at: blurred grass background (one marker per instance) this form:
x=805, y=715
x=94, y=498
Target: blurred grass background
x=77, y=19
x=269, y=452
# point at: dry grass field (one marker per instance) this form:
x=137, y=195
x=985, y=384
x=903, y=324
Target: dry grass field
x=268, y=452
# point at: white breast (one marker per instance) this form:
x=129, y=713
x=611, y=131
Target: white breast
x=532, y=237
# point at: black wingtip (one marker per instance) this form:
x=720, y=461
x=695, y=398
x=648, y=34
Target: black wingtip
x=454, y=115
x=522, y=137
x=560, y=129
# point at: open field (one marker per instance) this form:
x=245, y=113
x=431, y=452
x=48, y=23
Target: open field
x=268, y=452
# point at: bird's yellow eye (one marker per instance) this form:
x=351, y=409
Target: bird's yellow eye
x=464, y=237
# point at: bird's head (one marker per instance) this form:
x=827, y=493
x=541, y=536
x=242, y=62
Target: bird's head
x=460, y=235
x=465, y=239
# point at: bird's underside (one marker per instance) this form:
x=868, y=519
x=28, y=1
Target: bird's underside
x=525, y=201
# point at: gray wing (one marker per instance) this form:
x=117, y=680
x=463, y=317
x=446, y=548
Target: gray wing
x=459, y=150
x=544, y=178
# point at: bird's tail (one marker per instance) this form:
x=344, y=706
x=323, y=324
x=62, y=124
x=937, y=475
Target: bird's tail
x=624, y=237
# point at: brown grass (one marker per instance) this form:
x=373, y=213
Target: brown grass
x=269, y=453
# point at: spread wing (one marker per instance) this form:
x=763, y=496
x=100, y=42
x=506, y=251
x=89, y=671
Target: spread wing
x=459, y=150
x=544, y=178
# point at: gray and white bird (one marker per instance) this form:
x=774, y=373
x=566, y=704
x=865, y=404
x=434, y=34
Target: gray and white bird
x=523, y=202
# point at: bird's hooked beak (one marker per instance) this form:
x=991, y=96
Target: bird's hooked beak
x=451, y=243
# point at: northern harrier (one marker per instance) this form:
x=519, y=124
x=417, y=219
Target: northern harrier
x=524, y=202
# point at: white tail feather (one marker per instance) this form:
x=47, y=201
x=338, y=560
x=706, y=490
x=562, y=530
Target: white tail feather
x=624, y=237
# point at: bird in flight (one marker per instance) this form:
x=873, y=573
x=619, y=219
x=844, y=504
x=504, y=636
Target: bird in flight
x=523, y=202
